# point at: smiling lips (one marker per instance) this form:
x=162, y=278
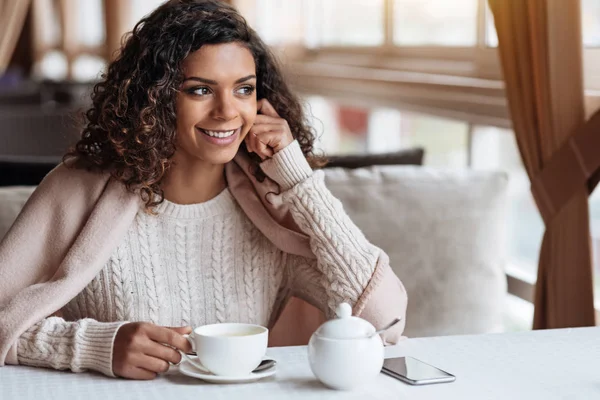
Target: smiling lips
x=220, y=137
x=218, y=134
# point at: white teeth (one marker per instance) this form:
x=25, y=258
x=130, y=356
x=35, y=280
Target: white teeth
x=220, y=135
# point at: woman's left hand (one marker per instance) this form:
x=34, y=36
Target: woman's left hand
x=270, y=133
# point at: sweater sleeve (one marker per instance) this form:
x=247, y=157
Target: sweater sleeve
x=346, y=260
x=78, y=345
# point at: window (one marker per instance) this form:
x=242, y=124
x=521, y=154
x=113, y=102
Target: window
x=364, y=23
x=280, y=22
x=595, y=230
x=491, y=36
x=352, y=22
x=351, y=129
x=435, y=22
x=590, y=20
x=424, y=48
x=496, y=149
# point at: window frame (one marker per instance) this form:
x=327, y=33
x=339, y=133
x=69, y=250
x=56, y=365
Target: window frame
x=483, y=61
x=473, y=75
x=451, y=82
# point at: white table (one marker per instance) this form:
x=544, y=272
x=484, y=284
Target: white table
x=555, y=364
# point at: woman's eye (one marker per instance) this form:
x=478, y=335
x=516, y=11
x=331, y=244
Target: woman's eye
x=246, y=90
x=200, y=91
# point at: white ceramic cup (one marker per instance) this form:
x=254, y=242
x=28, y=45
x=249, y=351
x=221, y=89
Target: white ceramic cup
x=228, y=349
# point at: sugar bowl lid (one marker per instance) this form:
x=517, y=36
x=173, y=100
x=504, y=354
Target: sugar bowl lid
x=345, y=326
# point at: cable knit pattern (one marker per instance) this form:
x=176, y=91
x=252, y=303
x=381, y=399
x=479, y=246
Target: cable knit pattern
x=124, y=271
x=250, y=271
x=158, y=270
x=80, y=345
x=217, y=274
x=277, y=269
x=182, y=273
x=205, y=263
x=146, y=257
x=197, y=288
x=119, y=286
x=227, y=280
x=92, y=291
x=344, y=256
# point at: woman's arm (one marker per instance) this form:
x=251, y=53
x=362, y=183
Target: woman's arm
x=348, y=267
x=134, y=350
x=80, y=345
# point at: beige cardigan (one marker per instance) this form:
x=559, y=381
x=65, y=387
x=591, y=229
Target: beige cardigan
x=73, y=221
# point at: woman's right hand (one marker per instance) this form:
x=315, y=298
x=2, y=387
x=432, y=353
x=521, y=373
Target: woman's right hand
x=141, y=349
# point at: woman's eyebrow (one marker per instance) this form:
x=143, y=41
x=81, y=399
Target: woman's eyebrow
x=211, y=82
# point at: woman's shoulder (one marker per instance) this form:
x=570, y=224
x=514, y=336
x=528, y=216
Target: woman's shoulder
x=68, y=179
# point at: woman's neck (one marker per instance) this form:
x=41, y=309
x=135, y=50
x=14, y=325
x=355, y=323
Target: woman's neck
x=193, y=181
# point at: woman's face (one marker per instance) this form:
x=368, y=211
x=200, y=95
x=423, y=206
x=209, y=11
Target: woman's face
x=216, y=105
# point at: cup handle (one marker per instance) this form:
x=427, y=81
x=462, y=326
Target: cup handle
x=195, y=363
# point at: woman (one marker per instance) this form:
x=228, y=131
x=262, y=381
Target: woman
x=149, y=227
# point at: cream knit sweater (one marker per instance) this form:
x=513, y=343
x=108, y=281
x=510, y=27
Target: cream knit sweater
x=205, y=263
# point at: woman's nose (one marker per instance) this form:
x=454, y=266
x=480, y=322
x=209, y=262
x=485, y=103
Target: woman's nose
x=225, y=108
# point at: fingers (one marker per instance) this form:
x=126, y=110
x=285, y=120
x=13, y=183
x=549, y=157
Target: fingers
x=262, y=128
x=145, y=367
x=262, y=149
x=182, y=330
x=264, y=138
x=168, y=336
x=153, y=364
x=141, y=350
x=261, y=145
x=267, y=119
x=264, y=107
x=163, y=352
x=248, y=143
x=269, y=134
x=136, y=367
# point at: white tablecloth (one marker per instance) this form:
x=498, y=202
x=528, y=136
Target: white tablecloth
x=556, y=364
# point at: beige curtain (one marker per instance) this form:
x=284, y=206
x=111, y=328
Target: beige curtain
x=541, y=53
x=12, y=19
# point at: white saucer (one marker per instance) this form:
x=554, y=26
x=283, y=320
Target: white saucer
x=188, y=369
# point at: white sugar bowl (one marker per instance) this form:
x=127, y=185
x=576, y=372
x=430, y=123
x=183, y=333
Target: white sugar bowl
x=343, y=353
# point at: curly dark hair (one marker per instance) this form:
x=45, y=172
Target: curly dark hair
x=130, y=128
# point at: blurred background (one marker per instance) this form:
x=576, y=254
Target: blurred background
x=377, y=76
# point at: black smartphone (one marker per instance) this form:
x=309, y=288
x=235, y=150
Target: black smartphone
x=415, y=372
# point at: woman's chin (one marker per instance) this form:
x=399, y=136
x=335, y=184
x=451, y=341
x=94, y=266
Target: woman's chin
x=223, y=156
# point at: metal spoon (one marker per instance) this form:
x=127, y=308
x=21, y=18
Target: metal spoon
x=264, y=364
x=388, y=326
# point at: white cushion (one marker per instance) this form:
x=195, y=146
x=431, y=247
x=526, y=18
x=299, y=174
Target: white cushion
x=12, y=200
x=444, y=231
